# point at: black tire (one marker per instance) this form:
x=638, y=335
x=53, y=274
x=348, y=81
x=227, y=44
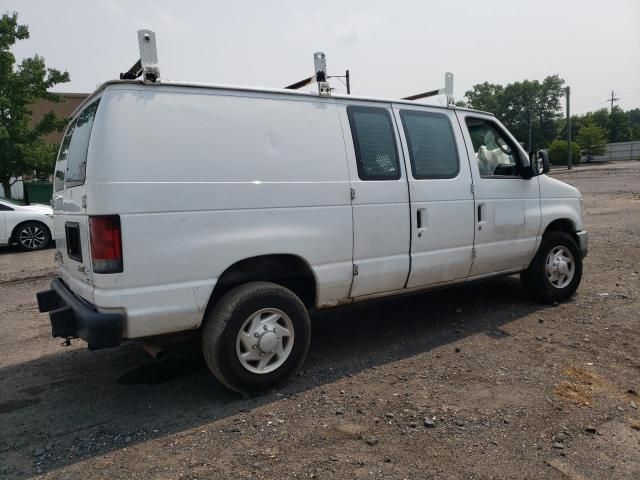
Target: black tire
x=31, y=236
x=535, y=279
x=224, y=321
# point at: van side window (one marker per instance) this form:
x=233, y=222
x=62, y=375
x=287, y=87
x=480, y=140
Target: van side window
x=432, y=147
x=495, y=153
x=374, y=142
x=79, y=145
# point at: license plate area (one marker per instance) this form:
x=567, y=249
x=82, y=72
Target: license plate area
x=74, y=247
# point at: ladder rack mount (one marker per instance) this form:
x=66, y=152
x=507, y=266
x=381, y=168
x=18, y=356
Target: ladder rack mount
x=447, y=90
x=147, y=65
x=320, y=65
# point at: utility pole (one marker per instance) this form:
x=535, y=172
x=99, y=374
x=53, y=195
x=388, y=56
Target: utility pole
x=348, y=83
x=529, y=144
x=569, y=163
x=613, y=99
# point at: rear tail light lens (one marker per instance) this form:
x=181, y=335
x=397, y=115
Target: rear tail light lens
x=106, y=243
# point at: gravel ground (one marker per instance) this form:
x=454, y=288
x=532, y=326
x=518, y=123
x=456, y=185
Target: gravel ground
x=472, y=382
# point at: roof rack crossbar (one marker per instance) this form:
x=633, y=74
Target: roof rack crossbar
x=133, y=73
x=447, y=90
x=301, y=83
x=147, y=65
x=320, y=65
x=418, y=96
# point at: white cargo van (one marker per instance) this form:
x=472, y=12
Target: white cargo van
x=231, y=212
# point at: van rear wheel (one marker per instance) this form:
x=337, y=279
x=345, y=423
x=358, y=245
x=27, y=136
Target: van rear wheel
x=256, y=337
x=556, y=270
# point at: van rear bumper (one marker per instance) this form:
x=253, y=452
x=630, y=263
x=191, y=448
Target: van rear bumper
x=76, y=318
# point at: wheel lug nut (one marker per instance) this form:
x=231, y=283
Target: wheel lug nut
x=266, y=328
x=256, y=335
x=254, y=347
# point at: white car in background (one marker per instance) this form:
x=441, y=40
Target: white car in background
x=28, y=226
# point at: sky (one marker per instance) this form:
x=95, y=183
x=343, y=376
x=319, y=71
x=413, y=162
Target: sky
x=392, y=48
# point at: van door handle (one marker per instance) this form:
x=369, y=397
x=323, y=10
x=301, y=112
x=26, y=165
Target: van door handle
x=482, y=214
x=421, y=220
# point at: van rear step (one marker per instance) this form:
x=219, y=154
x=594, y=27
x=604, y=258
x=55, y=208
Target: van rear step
x=72, y=317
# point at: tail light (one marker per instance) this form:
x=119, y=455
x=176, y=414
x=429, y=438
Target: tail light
x=106, y=243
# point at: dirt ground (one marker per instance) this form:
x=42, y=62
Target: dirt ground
x=472, y=382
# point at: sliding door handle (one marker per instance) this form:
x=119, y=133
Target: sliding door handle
x=421, y=220
x=481, y=214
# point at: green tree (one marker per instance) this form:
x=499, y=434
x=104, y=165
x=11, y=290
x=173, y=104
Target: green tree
x=523, y=105
x=559, y=152
x=634, y=123
x=577, y=122
x=22, y=148
x=600, y=118
x=592, y=140
x=485, y=96
x=619, y=129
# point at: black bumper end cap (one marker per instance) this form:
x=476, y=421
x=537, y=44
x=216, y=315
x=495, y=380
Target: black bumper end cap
x=72, y=317
x=48, y=300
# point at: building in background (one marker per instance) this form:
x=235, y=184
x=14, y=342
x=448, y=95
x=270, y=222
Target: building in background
x=63, y=109
x=39, y=109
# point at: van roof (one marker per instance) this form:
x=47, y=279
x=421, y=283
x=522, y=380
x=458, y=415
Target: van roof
x=264, y=90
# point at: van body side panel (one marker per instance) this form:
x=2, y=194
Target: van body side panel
x=203, y=179
x=559, y=200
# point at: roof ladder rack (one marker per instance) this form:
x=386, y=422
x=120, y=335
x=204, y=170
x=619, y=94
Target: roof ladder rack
x=320, y=64
x=147, y=65
x=447, y=90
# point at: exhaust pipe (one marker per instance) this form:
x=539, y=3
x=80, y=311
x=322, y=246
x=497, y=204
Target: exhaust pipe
x=156, y=352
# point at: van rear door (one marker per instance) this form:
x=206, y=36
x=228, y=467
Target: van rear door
x=71, y=225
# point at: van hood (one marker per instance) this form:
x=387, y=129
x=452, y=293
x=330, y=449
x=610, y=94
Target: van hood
x=553, y=188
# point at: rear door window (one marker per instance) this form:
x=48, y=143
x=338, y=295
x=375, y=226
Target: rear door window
x=374, y=142
x=76, y=153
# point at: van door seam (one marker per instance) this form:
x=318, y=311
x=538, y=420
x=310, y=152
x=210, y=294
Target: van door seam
x=473, y=193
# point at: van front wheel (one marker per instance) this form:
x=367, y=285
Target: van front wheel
x=256, y=337
x=556, y=270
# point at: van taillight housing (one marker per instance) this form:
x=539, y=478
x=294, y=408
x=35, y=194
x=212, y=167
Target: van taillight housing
x=106, y=243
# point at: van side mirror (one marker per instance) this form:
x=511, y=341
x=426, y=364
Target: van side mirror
x=539, y=161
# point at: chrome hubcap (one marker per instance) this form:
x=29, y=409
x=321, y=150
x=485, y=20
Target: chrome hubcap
x=31, y=237
x=265, y=341
x=560, y=267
